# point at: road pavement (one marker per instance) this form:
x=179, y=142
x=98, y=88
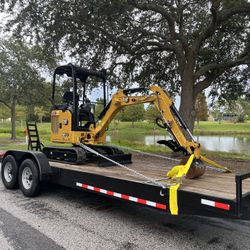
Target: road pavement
x=63, y=218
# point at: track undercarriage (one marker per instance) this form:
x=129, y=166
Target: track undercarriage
x=77, y=155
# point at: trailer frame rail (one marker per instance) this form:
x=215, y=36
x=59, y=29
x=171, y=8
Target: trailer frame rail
x=148, y=194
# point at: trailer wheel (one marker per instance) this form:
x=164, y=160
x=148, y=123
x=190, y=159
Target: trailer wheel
x=28, y=178
x=9, y=172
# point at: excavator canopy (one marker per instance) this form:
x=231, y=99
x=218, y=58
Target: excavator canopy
x=79, y=72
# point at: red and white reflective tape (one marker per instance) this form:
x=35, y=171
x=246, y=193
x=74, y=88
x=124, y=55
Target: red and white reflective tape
x=215, y=204
x=123, y=196
x=2, y=153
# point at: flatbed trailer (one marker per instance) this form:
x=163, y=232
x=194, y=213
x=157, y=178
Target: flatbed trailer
x=214, y=194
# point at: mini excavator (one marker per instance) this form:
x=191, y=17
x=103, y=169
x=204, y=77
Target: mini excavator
x=72, y=122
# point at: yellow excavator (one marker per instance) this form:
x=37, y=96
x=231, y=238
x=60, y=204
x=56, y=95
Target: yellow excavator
x=73, y=122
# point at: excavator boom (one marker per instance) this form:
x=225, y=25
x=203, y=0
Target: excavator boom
x=171, y=119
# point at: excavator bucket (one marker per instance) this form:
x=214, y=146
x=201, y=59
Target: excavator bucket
x=196, y=169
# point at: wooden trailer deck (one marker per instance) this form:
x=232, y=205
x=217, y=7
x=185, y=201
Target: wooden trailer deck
x=213, y=183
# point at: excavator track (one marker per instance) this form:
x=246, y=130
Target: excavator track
x=72, y=155
x=77, y=155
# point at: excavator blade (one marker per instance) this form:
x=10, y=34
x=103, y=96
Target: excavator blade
x=196, y=169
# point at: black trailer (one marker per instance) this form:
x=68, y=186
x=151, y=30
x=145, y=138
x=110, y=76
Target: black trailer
x=214, y=194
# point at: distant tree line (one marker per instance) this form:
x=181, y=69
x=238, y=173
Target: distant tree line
x=24, y=92
x=235, y=111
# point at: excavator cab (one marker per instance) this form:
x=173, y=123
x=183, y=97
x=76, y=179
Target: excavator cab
x=70, y=118
x=73, y=122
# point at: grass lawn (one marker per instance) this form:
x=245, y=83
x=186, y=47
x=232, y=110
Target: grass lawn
x=139, y=129
x=147, y=128
x=204, y=128
x=216, y=128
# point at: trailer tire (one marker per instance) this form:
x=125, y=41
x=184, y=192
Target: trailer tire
x=9, y=172
x=28, y=178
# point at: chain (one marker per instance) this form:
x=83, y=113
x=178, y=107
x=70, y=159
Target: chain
x=164, y=157
x=149, y=154
x=121, y=165
x=148, y=179
x=214, y=168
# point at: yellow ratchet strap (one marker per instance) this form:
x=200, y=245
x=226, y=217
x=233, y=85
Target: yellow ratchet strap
x=215, y=164
x=176, y=173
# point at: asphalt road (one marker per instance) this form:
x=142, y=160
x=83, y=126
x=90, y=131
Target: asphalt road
x=62, y=218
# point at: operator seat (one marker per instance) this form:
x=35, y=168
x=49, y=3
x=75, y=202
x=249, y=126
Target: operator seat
x=69, y=96
x=85, y=113
x=67, y=101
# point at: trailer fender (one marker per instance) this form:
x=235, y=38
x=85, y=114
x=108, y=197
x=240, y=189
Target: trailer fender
x=41, y=160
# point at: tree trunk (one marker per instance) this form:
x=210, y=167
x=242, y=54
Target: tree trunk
x=13, y=119
x=198, y=122
x=187, y=106
x=133, y=124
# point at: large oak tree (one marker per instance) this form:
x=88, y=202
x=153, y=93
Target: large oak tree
x=184, y=45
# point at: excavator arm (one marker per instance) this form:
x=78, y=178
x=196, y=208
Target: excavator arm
x=155, y=95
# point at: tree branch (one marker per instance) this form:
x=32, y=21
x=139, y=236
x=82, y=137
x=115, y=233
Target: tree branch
x=222, y=66
x=146, y=51
x=114, y=38
x=170, y=20
x=155, y=44
x=200, y=86
x=226, y=14
x=5, y=103
x=217, y=19
x=125, y=44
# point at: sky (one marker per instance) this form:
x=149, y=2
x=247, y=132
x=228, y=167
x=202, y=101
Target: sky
x=3, y=19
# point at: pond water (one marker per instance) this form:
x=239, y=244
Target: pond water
x=232, y=144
